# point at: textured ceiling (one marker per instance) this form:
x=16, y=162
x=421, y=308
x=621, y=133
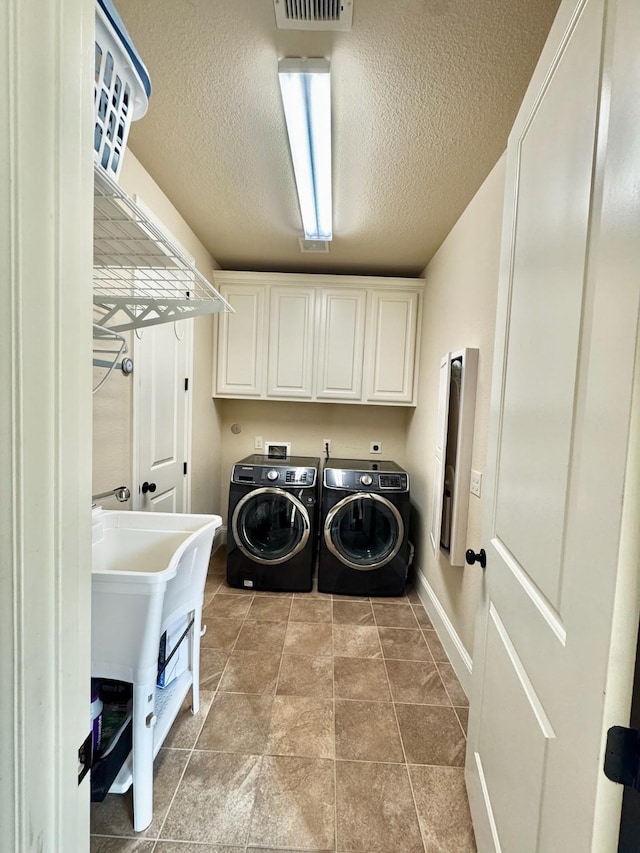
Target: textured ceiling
x=424, y=93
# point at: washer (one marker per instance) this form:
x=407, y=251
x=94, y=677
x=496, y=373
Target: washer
x=271, y=539
x=364, y=544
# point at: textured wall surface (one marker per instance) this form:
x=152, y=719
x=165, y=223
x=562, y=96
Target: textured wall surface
x=459, y=311
x=424, y=93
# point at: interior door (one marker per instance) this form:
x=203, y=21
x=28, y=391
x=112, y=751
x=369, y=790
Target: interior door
x=162, y=359
x=566, y=335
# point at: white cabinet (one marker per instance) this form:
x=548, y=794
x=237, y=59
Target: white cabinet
x=392, y=331
x=241, y=343
x=291, y=342
x=323, y=338
x=341, y=344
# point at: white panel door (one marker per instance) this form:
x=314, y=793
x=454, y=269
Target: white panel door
x=341, y=344
x=391, y=346
x=565, y=348
x=240, y=369
x=291, y=342
x=162, y=367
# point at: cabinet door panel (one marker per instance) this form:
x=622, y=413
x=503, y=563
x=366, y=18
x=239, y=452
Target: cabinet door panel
x=291, y=339
x=391, y=346
x=240, y=370
x=341, y=344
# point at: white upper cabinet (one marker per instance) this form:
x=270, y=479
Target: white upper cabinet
x=241, y=343
x=390, y=355
x=352, y=339
x=291, y=342
x=341, y=344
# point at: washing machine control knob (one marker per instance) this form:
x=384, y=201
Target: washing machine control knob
x=272, y=475
x=366, y=479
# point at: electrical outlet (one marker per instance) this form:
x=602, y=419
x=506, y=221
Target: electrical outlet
x=476, y=483
x=326, y=445
x=375, y=447
x=257, y=443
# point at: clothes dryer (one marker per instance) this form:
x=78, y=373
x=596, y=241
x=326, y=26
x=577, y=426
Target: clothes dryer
x=271, y=535
x=364, y=544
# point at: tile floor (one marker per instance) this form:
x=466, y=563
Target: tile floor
x=326, y=724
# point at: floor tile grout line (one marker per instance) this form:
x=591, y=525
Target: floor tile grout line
x=192, y=750
x=406, y=763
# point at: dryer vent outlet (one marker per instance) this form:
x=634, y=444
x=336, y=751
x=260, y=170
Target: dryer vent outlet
x=375, y=447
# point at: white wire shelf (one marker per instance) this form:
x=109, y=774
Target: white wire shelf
x=140, y=278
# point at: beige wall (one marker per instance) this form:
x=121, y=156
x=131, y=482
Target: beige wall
x=350, y=428
x=459, y=311
x=112, y=416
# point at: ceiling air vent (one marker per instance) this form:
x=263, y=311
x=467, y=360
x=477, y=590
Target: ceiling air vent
x=313, y=245
x=313, y=14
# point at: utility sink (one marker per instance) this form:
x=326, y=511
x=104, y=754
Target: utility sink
x=146, y=567
x=148, y=572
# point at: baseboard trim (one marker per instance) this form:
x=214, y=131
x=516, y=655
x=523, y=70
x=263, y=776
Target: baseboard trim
x=447, y=634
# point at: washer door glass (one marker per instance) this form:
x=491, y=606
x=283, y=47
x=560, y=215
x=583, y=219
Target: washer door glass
x=364, y=531
x=270, y=525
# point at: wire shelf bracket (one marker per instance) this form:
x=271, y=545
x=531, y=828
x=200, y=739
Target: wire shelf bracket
x=140, y=277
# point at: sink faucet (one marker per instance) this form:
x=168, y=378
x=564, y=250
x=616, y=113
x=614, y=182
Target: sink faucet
x=121, y=493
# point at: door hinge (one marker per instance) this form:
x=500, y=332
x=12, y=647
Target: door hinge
x=85, y=757
x=622, y=756
x=186, y=383
x=184, y=469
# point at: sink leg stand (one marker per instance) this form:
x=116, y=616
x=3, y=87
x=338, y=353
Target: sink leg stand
x=195, y=659
x=143, y=723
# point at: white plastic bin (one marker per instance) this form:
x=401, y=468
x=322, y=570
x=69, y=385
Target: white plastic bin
x=121, y=88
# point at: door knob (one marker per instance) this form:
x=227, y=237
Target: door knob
x=480, y=557
x=148, y=487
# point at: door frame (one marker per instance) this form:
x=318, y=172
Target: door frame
x=45, y=421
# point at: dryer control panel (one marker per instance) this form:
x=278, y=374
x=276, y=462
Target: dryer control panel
x=366, y=481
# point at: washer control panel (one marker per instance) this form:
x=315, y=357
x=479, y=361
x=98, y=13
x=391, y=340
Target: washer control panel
x=273, y=475
x=365, y=481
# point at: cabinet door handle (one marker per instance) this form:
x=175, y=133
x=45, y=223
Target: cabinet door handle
x=148, y=487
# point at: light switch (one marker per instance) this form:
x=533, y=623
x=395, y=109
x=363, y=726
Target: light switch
x=476, y=483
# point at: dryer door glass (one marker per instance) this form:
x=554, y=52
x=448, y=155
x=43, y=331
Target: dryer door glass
x=270, y=525
x=364, y=531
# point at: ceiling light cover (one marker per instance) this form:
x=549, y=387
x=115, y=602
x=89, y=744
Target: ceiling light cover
x=305, y=85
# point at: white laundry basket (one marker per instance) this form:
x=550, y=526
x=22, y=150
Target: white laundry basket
x=121, y=89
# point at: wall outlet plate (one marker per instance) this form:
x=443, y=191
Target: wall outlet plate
x=375, y=447
x=257, y=443
x=326, y=445
x=476, y=483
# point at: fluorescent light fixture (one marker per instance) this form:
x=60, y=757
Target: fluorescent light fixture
x=305, y=85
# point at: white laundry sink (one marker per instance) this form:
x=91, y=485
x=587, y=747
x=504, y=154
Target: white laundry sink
x=145, y=567
x=149, y=570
